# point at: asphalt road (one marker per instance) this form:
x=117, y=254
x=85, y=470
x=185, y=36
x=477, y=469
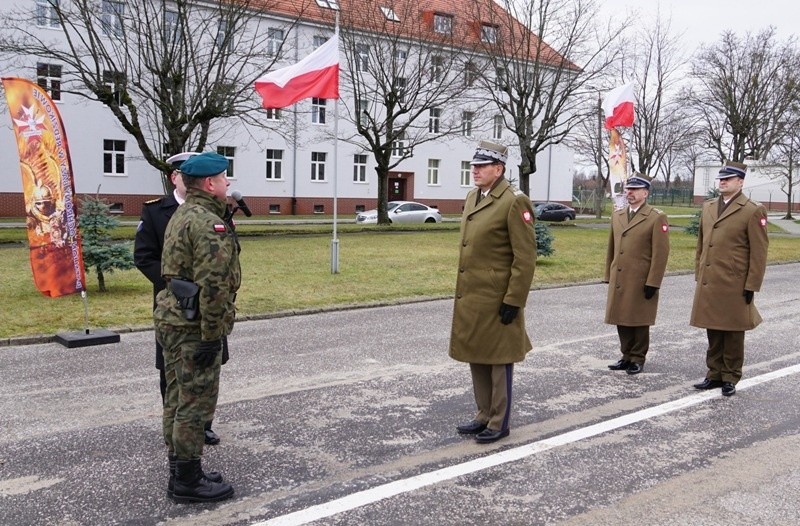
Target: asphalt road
x=348, y=418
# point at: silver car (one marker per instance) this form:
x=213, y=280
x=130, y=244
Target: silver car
x=402, y=212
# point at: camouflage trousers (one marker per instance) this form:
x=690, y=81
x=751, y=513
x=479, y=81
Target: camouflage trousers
x=191, y=396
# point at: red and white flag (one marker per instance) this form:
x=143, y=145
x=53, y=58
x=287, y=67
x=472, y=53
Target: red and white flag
x=618, y=107
x=317, y=75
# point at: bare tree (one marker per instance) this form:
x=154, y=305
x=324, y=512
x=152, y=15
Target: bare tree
x=405, y=80
x=165, y=70
x=744, y=86
x=784, y=158
x=546, y=58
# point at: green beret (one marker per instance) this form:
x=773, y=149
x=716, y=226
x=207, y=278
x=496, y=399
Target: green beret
x=207, y=164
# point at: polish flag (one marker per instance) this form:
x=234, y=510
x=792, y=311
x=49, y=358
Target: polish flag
x=618, y=107
x=317, y=75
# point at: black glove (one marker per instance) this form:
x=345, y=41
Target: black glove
x=748, y=296
x=508, y=313
x=649, y=291
x=206, y=353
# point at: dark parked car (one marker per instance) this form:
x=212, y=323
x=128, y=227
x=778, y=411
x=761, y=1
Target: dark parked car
x=553, y=212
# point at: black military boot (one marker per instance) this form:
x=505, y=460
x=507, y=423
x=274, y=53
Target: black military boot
x=192, y=486
x=213, y=476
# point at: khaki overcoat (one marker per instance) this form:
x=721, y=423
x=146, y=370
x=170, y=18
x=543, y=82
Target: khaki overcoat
x=496, y=263
x=731, y=257
x=637, y=256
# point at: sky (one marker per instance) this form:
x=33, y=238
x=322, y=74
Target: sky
x=702, y=21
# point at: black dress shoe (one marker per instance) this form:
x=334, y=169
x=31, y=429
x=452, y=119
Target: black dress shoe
x=211, y=438
x=634, y=368
x=708, y=384
x=473, y=427
x=621, y=365
x=728, y=389
x=490, y=435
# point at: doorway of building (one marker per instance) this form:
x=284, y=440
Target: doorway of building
x=397, y=189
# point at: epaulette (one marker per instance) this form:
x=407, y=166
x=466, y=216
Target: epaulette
x=152, y=201
x=657, y=211
x=516, y=190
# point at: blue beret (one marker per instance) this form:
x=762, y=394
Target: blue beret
x=732, y=169
x=637, y=180
x=207, y=164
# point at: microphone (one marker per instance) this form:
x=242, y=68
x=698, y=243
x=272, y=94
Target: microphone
x=237, y=196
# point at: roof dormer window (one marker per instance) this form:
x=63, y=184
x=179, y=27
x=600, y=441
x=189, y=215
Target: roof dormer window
x=443, y=24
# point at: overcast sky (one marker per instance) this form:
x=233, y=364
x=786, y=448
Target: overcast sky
x=704, y=20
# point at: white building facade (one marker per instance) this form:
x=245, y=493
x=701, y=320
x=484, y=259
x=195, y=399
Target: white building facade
x=274, y=175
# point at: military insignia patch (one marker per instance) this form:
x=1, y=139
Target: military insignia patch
x=664, y=227
x=526, y=216
x=219, y=228
x=763, y=222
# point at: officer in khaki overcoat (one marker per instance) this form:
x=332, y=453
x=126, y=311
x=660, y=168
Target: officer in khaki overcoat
x=730, y=262
x=495, y=270
x=638, y=248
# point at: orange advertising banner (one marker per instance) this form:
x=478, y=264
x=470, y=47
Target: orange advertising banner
x=617, y=167
x=48, y=188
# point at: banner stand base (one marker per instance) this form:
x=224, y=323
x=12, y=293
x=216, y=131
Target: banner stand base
x=86, y=338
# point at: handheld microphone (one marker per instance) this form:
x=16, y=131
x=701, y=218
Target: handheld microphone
x=237, y=196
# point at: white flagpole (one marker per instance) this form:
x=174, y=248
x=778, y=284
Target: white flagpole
x=335, y=241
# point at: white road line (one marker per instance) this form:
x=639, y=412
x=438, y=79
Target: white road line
x=385, y=491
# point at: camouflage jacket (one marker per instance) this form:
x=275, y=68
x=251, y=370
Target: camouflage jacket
x=199, y=246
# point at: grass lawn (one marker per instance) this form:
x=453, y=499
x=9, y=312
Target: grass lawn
x=292, y=272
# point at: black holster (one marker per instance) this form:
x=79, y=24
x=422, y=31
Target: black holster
x=187, y=293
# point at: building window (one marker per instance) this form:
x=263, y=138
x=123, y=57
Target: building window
x=400, y=55
x=47, y=13
x=437, y=68
x=501, y=78
x=470, y=74
x=466, y=173
x=497, y=127
x=318, y=166
x=171, y=26
x=274, y=41
x=229, y=152
x=274, y=209
x=224, y=36
x=48, y=76
x=362, y=116
x=390, y=15
x=433, y=172
x=111, y=18
x=273, y=114
x=489, y=33
x=400, y=88
x=318, y=110
x=399, y=145
x=434, y=119
x=114, y=81
x=466, y=123
x=359, y=168
x=274, y=161
x=443, y=24
x=319, y=40
x=113, y=157
x=362, y=57
x=329, y=4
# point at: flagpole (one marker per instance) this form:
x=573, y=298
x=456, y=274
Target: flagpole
x=335, y=241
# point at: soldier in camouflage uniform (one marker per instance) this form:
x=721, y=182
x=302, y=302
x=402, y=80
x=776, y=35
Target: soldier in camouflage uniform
x=199, y=249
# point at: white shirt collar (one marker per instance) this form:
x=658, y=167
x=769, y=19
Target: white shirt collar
x=178, y=198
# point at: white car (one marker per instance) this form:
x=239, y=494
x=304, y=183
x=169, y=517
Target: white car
x=402, y=212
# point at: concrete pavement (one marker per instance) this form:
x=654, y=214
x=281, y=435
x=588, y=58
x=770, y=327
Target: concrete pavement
x=348, y=418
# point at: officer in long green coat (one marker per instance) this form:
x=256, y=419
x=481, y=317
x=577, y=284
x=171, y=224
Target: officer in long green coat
x=730, y=263
x=638, y=248
x=495, y=270
x=200, y=264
